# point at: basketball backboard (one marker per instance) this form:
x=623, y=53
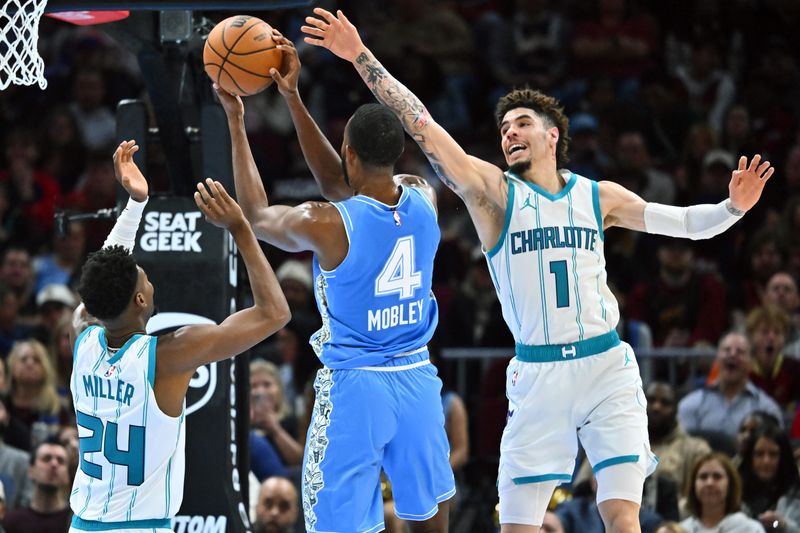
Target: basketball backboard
x=54, y=6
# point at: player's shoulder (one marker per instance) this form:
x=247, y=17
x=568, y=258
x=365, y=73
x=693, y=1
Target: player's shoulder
x=317, y=211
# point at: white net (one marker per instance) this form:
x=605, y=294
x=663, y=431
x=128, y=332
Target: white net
x=20, y=62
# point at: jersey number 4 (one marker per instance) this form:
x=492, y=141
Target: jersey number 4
x=106, y=441
x=398, y=275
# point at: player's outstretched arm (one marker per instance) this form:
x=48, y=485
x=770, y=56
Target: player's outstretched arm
x=621, y=207
x=124, y=231
x=133, y=181
x=249, y=187
x=323, y=160
x=183, y=351
x=463, y=174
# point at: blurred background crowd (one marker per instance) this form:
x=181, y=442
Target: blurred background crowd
x=663, y=97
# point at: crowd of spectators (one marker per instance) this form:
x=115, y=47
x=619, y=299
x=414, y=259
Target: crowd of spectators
x=663, y=97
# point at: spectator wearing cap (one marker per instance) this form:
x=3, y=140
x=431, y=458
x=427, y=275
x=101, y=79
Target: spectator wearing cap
x=720, y=408
x=55, y=302
x=633, y=153
x=48, y=511
x=715, y=176
x=297, y=283
x=683, y=306
x=772, y=372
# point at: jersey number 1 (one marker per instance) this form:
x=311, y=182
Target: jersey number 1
x=106, y=441
x=398, y=274
x=559, y=270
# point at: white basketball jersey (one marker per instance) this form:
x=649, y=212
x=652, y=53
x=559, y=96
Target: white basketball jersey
x=131, y=454
x=548, y=266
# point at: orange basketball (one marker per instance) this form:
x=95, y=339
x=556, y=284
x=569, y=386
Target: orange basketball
x=239, y=53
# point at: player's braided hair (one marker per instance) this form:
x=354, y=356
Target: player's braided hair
x=547, y=108
x=376, y=135
x=108, y=281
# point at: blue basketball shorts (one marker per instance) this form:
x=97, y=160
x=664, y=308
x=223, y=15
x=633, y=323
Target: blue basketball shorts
x=388, y=416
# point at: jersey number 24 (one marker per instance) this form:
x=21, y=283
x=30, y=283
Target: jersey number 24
x=106, y=441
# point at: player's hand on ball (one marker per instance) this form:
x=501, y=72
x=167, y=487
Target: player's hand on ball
x=747, y=182
x=217, y=205
x=286, y=78
x=127, y=173
x=335, y=33
x=231, y=103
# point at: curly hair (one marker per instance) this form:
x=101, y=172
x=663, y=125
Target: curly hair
x=547, y=108
x=108, y=281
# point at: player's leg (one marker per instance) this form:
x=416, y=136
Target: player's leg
x=438, y=523
x=350, y=426
x=417, y=458
x=539, y=445
x=614, y=435
x=522, y=507
x=620, y=496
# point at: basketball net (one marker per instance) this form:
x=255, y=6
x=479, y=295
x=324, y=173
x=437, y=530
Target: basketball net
x=20, y=62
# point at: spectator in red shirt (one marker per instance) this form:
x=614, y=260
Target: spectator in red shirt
x=30, y=188
x=682, y=306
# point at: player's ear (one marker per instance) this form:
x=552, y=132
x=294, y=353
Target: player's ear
x=553, y=136
x=139, y=299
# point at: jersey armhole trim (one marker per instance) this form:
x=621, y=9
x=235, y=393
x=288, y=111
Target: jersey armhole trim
x=597, y=213
x=151, y=362
x=78, y=342
x=426, y=198
x=348, y=226
x=509, y=211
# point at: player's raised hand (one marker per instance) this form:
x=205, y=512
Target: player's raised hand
x=335, y=33
x=217, y=205
x=747, y=182
x=231, y=103
x=127, y=173
x=286, y=78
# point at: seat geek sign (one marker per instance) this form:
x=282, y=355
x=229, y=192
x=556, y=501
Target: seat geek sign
x=193, y=267
x=165, y=231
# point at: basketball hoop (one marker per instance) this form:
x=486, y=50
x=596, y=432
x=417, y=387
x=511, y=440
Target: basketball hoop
x=20, y=62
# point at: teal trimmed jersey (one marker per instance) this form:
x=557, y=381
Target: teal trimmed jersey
x=131, y=454
x=548, y=266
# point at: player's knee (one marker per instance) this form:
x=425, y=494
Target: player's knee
x=625, y=521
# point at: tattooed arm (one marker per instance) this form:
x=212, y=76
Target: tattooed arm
x=468, y=176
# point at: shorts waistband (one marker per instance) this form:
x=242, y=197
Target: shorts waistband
x=93, y=525
x=548, y=353
x=401, y=361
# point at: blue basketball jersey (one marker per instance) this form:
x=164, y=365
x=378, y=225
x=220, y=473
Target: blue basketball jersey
x=378, y=303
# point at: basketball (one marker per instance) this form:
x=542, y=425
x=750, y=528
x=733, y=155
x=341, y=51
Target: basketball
x=239, y=54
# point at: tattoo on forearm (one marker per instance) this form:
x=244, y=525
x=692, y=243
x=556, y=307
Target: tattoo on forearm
x=393, y=94
x=435, y=163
